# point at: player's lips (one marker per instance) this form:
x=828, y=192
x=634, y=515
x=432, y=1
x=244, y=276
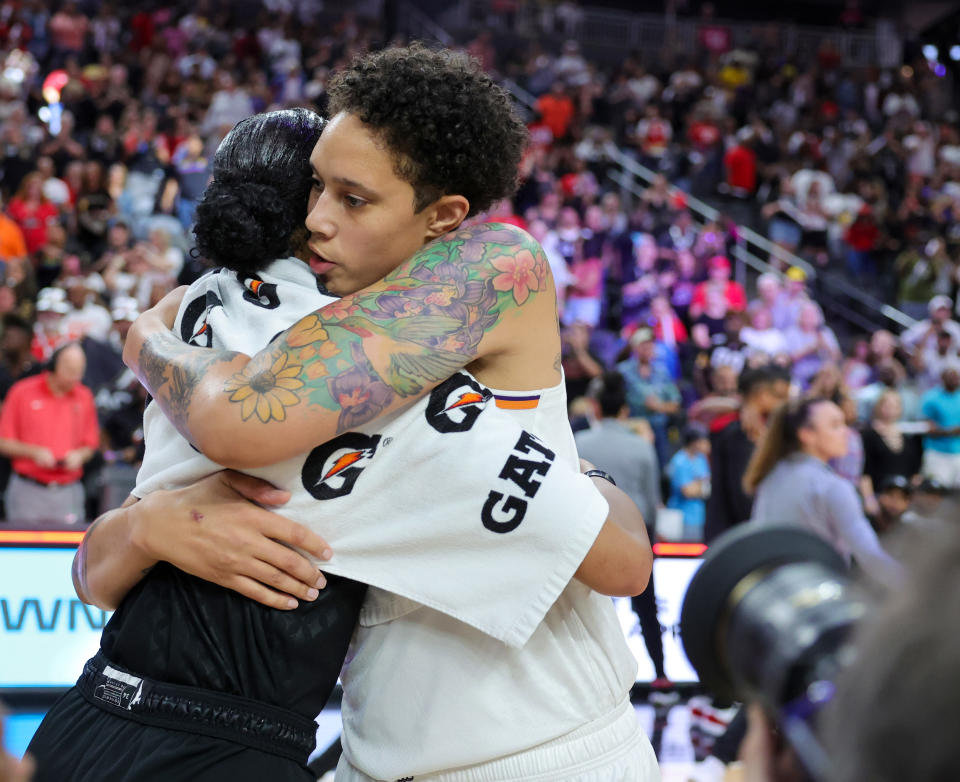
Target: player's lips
x=319, y=264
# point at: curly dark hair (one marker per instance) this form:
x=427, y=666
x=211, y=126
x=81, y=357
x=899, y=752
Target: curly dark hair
x=255, y=207
x=451, y=130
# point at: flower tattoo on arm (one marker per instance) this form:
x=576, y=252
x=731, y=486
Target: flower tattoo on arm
x=265, y=387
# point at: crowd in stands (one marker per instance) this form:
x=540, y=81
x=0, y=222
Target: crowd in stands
x=854, y=170
x=109, y=116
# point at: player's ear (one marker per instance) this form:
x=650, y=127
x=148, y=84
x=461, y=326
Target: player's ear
x=447, y=212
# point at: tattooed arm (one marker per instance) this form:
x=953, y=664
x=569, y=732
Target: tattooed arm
x=458, y=299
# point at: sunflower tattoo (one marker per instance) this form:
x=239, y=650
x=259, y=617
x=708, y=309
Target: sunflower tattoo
x=265, y=389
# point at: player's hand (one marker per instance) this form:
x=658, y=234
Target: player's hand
x=757, y=749
x=215, y=531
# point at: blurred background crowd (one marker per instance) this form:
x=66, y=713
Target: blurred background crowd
x=744, y=209
x=645, y=174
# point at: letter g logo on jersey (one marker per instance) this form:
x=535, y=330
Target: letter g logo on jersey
x=332, y=469
x=262, y=294
x=456, y=404
x=194, y=329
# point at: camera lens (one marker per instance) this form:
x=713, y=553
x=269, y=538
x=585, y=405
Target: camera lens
x=787, y=631
x=767, y=614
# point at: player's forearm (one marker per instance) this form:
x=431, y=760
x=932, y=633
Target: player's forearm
x=182, y=378
x=620, y=561
x=350, y=362
x=110, y=561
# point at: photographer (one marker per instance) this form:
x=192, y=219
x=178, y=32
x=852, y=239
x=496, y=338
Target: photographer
x=892, y=719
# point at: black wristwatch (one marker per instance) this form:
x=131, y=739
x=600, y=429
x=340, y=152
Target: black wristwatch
x=600, y=474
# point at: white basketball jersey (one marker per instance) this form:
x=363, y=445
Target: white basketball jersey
x=424, y=692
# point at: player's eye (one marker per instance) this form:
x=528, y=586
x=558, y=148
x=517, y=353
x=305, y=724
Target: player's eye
x=353, y=202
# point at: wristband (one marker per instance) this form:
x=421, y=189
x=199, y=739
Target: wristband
x=600, y=474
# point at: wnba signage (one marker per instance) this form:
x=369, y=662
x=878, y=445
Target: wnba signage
x=31, y=614
x=46, y=633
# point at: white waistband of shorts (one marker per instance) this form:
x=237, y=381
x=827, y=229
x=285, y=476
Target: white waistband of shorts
x=602, y=740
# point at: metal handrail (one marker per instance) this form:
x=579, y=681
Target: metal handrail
x=751, y=237
x=892, y=313
x=708, y=213
x=527, y=99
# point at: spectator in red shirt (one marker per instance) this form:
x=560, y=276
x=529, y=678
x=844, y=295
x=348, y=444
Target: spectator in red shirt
x=143, y=29
x=716, y=38
x=31, y=210
x=861, y=238
x=703, y=132
x=668, y=329
x=718, y=268
x=741, y=165
x=48, y=427
x=68, y=29
x=556, y=108
x=653, y=136
x=503, y=212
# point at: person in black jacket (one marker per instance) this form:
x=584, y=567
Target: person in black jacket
x=762, y=389
x=887, y=450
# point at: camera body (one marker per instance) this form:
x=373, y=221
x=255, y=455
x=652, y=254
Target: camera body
x=768, y=618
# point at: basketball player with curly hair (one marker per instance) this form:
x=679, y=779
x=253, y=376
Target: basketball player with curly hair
x=479, y=299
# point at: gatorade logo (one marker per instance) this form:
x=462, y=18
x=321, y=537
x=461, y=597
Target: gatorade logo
x=456, y=404
x=332, y=469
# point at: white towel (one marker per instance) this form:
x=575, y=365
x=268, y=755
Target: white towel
x=448, y=503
